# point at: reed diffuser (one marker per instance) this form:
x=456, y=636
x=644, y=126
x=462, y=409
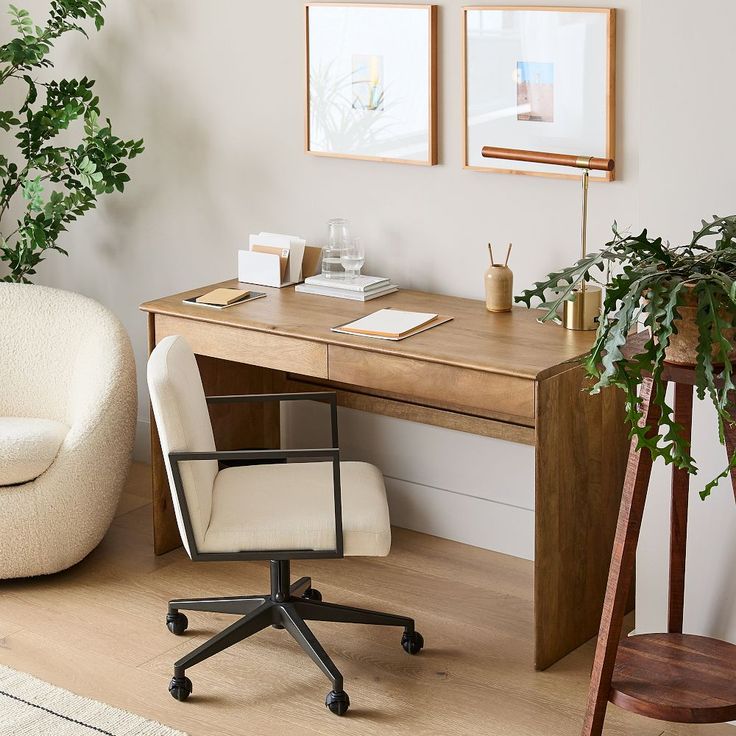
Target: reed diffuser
x=499, y=284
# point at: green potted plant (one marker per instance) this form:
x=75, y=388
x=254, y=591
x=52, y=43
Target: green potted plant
x=685, y=297
x=48, y=183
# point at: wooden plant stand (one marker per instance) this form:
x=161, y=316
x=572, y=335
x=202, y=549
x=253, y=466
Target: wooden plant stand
x=671, y=676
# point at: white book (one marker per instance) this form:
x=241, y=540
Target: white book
x=389, y=323
x=357, y=296
x=360, y=283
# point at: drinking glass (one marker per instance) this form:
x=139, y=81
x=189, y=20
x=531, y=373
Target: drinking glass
x=338, y=237
x=352, y=258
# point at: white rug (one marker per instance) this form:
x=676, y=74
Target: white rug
x=31, y=707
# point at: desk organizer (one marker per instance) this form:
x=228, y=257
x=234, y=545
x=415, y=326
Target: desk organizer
x=277, y=260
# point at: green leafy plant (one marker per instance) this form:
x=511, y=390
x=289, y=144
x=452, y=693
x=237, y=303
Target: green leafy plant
x=652, y=284
x=51, y=184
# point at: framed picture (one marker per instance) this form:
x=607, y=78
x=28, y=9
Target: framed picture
x=372, y=81
x=539, y=79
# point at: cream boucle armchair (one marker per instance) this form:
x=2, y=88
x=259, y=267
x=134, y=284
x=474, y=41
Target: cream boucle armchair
x=67, y=422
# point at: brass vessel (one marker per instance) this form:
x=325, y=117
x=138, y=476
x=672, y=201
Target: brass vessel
x=584, y=311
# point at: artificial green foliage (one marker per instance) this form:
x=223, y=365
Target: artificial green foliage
x=49, y=182
x=646, y=282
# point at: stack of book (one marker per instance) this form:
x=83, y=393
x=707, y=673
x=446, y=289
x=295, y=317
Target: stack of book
x=360, y=289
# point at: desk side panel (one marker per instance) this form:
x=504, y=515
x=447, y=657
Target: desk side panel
x=165, y=532
x=580, y=463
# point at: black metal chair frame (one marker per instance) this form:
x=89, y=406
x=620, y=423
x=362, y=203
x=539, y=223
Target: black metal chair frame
x=289, y=605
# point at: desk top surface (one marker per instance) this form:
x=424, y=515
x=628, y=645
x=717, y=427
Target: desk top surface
x=511, y=343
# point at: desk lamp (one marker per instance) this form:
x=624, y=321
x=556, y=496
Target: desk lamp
x=582, y=312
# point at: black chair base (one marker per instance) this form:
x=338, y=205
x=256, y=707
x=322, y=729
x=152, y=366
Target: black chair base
x=287, y=607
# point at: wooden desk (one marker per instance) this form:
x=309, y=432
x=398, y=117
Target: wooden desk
x=498, y=375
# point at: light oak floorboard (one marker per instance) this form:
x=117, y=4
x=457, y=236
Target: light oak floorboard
x=97, y=630
x=130, y=502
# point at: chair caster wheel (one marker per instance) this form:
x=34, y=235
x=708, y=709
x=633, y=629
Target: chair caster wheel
x=312, y=594
x=338, y=702
x=180, y=688
x=176, y=623
x=412, y=642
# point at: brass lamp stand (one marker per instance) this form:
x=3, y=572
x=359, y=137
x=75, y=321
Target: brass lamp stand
x=583, y=311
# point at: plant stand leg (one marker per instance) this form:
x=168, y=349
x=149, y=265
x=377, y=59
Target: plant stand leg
x=678, y=513
x=729, y=432
x=638, y=471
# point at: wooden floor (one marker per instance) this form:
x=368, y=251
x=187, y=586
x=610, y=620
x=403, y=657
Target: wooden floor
x=98, y=630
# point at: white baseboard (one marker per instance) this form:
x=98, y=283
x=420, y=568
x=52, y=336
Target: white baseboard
x=142, y=445
x=462, y=518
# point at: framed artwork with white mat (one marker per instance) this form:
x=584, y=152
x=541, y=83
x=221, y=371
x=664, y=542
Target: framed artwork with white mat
x=371, y=81
x=539, y=79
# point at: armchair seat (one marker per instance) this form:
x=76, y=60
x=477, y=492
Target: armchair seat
x=244, y=499
x=29, y=447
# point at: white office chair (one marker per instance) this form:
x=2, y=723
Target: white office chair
x=277, y=512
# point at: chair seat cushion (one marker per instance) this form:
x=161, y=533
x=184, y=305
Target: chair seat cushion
x=290, y=506
x=29, y=447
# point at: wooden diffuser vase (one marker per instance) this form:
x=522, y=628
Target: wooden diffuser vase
x=499, y=284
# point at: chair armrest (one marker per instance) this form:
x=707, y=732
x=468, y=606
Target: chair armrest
x=302, y=396
x=331, y=452
x=329, y=397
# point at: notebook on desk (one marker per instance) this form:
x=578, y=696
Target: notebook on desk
x=224, y=298
x=391, y=324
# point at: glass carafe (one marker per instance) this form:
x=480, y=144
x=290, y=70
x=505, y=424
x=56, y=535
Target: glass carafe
x=338, y=238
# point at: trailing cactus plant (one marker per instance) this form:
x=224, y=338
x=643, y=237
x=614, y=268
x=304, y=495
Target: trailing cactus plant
x=654, y=285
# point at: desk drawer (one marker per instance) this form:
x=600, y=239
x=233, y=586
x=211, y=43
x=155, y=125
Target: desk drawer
x=436, y=384
x=247, y=346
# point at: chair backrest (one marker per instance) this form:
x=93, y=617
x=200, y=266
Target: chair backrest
x=60, y=353
x=183, y=424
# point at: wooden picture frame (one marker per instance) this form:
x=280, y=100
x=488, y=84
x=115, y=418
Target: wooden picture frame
x=381, y=147
x=603, y=138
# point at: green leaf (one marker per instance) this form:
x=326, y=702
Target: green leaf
x=8, y=119
x=32, y=193
x=710, y=485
